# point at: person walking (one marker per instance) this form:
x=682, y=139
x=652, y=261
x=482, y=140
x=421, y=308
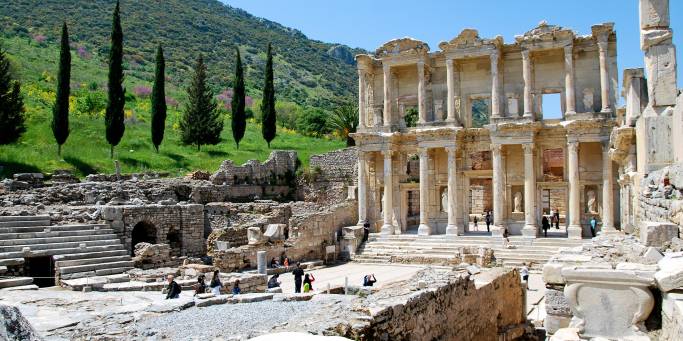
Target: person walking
x=298, y=274
x=173, y=288
x=215, y=284
x=476, y=220
x=366, y=230
x=488, y=221
x=524, y=272
x=557, y=219
x=594, y=225
x=308, y=282
x=506, y=240
x=545, y=225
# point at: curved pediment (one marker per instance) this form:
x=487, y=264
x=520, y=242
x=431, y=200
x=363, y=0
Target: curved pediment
x=469, y=38
x=402, y=46
x=546, y=32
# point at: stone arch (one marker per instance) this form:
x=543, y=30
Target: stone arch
x=143, y=231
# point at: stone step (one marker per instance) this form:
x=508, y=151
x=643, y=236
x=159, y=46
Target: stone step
x=63, y=245
x=95, y=267
x=41, y=228
x=50, y=240
x=24, y=218
x=454, y=248
x=53, y=234
x=26, y=223
x=61, y=251
x=94, y=260
x=9, y=282
x=87, y=255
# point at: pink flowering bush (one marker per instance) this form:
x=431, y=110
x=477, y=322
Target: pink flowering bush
x=142, y=91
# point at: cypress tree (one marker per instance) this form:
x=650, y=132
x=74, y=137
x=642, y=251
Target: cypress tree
x=159, y=100
x=11, y=104
x=60, y=110
x=239, y=118
x=268, y=128
x=116, y=97
x=201, y=122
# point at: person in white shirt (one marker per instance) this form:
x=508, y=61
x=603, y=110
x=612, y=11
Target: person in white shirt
x=524, y=271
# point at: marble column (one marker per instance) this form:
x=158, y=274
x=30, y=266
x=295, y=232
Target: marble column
x=362, y=188
x=495, y=84
x=387, y=96
x=450, y=84
x=526, y=74
x=452, y=227
x=388, y=208
x=421, y=93
x=498, y=190
x=574, y=230
x=362, y=108
x=607, y=191
x=424, y=229
x=530, y=229
x=570, y=95
x=604, y=76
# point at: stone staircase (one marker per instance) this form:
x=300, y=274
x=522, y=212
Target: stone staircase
x=78, y=251
x=380, y=248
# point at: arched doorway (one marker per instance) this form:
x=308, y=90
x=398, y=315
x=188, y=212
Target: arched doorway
x=143, y=232
x=173, y=240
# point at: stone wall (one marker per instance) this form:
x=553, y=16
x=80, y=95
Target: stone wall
x=659, y=202
x=451, y=307
x=279, y=168
x=331, y=177
x=339, y=165
x=181, y=226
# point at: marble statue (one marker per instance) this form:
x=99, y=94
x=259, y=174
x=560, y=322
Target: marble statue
x=518, y=202
x=591, y=202
x=444, y=200
x=588, y=100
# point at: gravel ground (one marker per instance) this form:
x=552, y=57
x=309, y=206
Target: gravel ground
x=228, y=321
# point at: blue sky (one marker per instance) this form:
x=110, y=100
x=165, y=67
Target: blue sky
x=368, y=24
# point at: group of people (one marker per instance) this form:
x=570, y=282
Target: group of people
x=173, y=289
x=547, y=224
x=488, y=218
x=282, y=263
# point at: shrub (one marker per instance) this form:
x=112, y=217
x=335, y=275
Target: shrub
x=312, y=122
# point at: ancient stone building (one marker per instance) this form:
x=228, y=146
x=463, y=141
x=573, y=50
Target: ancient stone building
x=446, y=136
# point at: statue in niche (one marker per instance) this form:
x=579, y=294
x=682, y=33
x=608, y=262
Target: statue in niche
x=381, y=208
x=444, y=200
x=588, y=100
x=591, y=204
x=518, y=202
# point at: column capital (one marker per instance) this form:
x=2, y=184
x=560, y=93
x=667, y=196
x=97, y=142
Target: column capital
x=602, y=44
x=606, y=145
x=450, y=62
x=422, y=151
x=451, y=149
x=386, y=68
x=420, y=63
x=569, y=49
x=528, y=148
x=495, y=56
x=573, y=146
x=525, y=54
x=387, y=153
x=496, y=147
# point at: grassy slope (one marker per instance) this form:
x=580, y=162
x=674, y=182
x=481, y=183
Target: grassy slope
x=86, y=150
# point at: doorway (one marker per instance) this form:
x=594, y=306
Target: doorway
x=42, y=269
x=143, y=232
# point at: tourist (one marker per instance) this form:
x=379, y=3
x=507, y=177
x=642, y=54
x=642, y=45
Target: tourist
x=369, y=280
x=366, y=230
x=545, y=225
x=476, y=220
x=273, y=282
x=557, y=219
x=524, y=271
x=308, y=282
x=285, y=262
x=274, y=263
x=298, y=274
x=340, y=234
x=200, y=287
x=506, y=241
x=488, y=221
x=236, y=288
x=594, y=225
x=215, y=283
x=173, y=288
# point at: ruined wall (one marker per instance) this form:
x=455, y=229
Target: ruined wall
x=279, y=168
x=330, y=176
x=185, y=223
x=660, y=203
x=453, y=307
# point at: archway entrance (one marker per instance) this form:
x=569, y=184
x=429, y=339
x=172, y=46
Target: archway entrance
x=143, y=232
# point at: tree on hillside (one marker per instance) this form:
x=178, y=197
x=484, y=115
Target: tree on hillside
x=201, y=122
x=268, y=119
x=344, y=121
x=60, y=110
x=11, y=104
x=159, y=100
x=114, y=114
x=239, y=118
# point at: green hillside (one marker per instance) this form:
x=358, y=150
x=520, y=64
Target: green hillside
x=86, y=150
x=307, y=72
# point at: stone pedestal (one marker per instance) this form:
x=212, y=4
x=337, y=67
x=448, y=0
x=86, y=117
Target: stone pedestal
x=608, y=303
x=261, y=262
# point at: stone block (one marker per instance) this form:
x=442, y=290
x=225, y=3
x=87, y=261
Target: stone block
x=112, y=213
x=556, y=303
x=276, y=290
x=222, y=299
x=553, y=323
x=654, y=14
x=254, y=235
x=670, y=275
x=275, y=232
x=552, y=273
x=640, y=269
x=566, y=334
x=657, y=234
x=593, y=295
x=293, y=297
x=660, y=62
x=253, y=297
x=14, y=326
x=652, y=255
x=668, y=300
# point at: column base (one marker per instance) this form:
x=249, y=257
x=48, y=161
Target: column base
x=574, y=232
x=609, y=231
x=530, y=231
x=454, y=230
x=424, y=230
x=528, y=115
x=387, y=230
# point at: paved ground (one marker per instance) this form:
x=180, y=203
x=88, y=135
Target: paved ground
x=535, y=300
x=384, y=273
